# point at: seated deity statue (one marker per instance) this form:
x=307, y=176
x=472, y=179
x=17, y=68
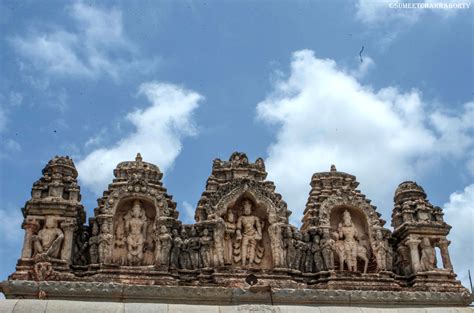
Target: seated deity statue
x=249, y=233
x=136, y=228
x=49, y=239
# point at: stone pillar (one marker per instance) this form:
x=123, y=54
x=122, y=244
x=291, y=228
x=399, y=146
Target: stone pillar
x=68, y=229
x=443, y=246
x=414, y=254
x=30, y=228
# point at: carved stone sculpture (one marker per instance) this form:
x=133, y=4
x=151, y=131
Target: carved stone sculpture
x=49, y=239
x=206, y=243
x=176, y=250
x=218, y=237
x=317, y=254
x=249, y=233
x=165, y=242
x=93, y=244
x=230, y=228
x=184, y=256
x=379, y=248
x=290, y=248
x=428, y=255
x=120, y=244
x=300, y=251
x=327, y=250
x=194, y=246
x=105, y=241
x=276, y=241
x=136, y=227
x=308, y=258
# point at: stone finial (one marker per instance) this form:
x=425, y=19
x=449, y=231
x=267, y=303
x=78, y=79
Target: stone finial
x=138, y=158
x=333, y=168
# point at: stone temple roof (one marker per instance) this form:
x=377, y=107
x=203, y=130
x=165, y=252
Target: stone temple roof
x=130, y=169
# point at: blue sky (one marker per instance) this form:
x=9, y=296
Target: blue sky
x=188, y=81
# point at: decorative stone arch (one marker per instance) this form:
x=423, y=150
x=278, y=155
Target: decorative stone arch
x=237, y=193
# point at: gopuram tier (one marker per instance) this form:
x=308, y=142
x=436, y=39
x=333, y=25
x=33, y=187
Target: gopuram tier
x=136, y=248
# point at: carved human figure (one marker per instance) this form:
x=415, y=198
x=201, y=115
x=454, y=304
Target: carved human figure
x=165, y=243
x=276, y=241
x=120, y=244
x=194, y=247
x=317, y=254
x=93, y=244
x=218, y=238
x=184, y=259
x=300, y=250
x=136, y=228
x=348, y=233
x=206, y=243
x=327, y=250
x=105, y=242
x=49, y=239
x=379, y=247
x=230, y=228
x=428, y=255
x=249, y=233
x=176, y=249
x=81, y=256
x=290, y=248
x=308, y=259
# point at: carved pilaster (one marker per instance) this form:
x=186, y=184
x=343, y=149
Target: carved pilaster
x=443, y=246
x=30, y=227
x=68, y=229
x=414, y=254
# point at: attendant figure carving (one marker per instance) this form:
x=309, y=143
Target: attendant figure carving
x=136, y=227
x=218, y=236
x=49, y=239
x=230, y=228
x=165, y=242
x=93, y=244
x=276, y=241
x=327, y=249
x=105, y=242
x=249, y=234
x=120, y=243
x=194, y=247
x=206, y=243
x=428, y=255
x=299, y=250
x=176, y=250
x=290, y=248
x=317, y=254
x=308, y=258
x=380, y=250
x=184, y=258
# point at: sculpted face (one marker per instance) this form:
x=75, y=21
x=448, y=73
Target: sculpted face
x=247, y=207
x=347, y=219
x=50, y=222
x=163, y=229
x=230, y=216
x=136, y=210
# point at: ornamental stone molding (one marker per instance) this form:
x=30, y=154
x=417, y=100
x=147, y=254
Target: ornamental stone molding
x=241, y=247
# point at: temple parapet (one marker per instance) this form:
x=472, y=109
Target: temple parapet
x=241, y=237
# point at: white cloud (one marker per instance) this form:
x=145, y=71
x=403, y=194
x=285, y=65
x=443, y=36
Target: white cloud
x=97, y=46
x=188, y=213
x=459, y=212
x=157, y=135
x=324, y=116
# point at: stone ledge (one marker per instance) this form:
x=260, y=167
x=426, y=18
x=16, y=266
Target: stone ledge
x=95, y=291
x=43, y=306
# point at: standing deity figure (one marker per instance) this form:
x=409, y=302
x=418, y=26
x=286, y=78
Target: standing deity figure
x=93, y=244
x=184, y=257
x=120, y=244
x=165, y=242
x=308, y=259
x=194, y=248
x=290, y=248
x=327, y=249
x=276, y=241
x=229, y=233
x=49, y=239
x=317, y=254
x=176, y=249
x=428, y=255
x=348, y=233
x=105, y=241
x=218, y=236
x=380, y=250
x=206, y=243
x=249, y=233
x=136, y=227
x=300, y=250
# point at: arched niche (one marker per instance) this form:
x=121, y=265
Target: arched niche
x=358, y=217
x=261, y=207
x=120, y=231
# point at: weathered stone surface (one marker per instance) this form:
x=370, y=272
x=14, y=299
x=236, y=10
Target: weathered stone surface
x=241, y=248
